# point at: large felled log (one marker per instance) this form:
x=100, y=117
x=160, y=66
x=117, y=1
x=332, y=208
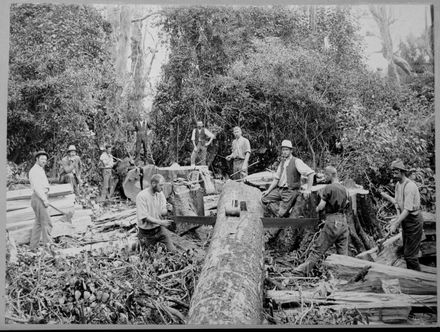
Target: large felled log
x=230, y=286
x=411, y=282
x=388, y=255
x=54, y=191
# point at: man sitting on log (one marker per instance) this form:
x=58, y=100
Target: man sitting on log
x=39, y=202
x=334, y=201
x=241, y=150
x=407, y=197
x=71, y=169
x=151, y=206
x=201, y=138
x=283, y=192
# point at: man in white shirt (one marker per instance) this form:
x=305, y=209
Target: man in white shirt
x=151, y=206
x=283, y=192
x=241, y=150
x=106, y=163
x=201, y=139
x=39, y=202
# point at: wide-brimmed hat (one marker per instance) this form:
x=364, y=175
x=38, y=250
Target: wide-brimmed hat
x=286, y=144
x=71, y=148
x=41, y=152
x=398, y=164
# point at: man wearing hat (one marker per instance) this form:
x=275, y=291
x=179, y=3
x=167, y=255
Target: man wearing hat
x=407, y=198
x=241, y=151
x=71, y=169
x=106, y=162
x=283, y=192
x=39, y=202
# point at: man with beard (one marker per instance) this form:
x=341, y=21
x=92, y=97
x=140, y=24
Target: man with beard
x=283, y=192
x=151, y=206
x=407, y=197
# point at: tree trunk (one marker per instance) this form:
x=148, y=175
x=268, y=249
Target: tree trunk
x=411, y=282
x=230, y=286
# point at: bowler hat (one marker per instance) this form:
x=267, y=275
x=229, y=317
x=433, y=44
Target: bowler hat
x=71, y=148
x=398, y=164
x=286, y=144
x=41, y=152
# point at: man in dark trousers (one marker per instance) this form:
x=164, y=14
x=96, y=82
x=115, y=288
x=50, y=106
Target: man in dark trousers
x=334, y=202
x=407, y=197
x=151, y=206
x=201, y=138
x=284, y=190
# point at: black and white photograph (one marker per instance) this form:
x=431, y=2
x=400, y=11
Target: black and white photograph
x=180, y=165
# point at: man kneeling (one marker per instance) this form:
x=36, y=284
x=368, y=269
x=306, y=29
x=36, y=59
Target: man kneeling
x=151, y=206
x=335, y=201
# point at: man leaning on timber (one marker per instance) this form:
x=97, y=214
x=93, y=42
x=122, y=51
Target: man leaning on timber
x=39, y=202
x=334, y=203
x=407, y=197
x=151, y=206
x=284, y=190
x=241, y=150
x=71, y=169
x=201, y=138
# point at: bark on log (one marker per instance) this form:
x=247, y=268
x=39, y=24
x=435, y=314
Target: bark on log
x=411, y=282
x=230, y=286
x=54, y=191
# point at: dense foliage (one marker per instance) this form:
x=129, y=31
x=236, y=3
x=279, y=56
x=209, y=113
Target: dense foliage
x=280, y=76
x=61, y=82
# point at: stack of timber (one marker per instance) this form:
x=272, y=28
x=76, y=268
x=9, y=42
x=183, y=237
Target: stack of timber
x=190, y=174
x=381, y=293
x=391, y=252
x=20, y=215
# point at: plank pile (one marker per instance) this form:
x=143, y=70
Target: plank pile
x=20, y=215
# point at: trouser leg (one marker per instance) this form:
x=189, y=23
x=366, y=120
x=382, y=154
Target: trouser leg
x=237, y=169
x=202, y=155
x=288, y=199
x=42, y=226
x=272, y=201
x=412, y=230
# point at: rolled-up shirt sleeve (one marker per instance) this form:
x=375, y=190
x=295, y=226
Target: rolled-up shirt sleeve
x=193, y=135
x=209, y=134
x=278, y=172
x=302, y=168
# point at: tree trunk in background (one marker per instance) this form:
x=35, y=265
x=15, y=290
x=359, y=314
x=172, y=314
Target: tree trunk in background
x=230, y=287
x=383, y=19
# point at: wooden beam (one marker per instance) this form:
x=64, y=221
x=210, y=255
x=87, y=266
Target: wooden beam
x=230, y=286
x=54, y=191
x=411, y=282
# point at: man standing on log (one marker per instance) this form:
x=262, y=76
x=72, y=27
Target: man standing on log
x=40, y=202
x=284, y=190
x=407, y=197
x=71, y=169
x=241, y=151
x=201, y=138
x=334, y=201
x=151, y=206
x=106, y=163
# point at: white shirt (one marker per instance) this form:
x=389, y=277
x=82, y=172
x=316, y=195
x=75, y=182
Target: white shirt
x=207, y=133
x=301, y=167
x=107, y=160
x=150, y=205
x=39, y=182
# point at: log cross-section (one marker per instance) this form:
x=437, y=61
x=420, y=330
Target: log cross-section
x=230, y=286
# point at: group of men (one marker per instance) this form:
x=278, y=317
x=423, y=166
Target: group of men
x=279, y=198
